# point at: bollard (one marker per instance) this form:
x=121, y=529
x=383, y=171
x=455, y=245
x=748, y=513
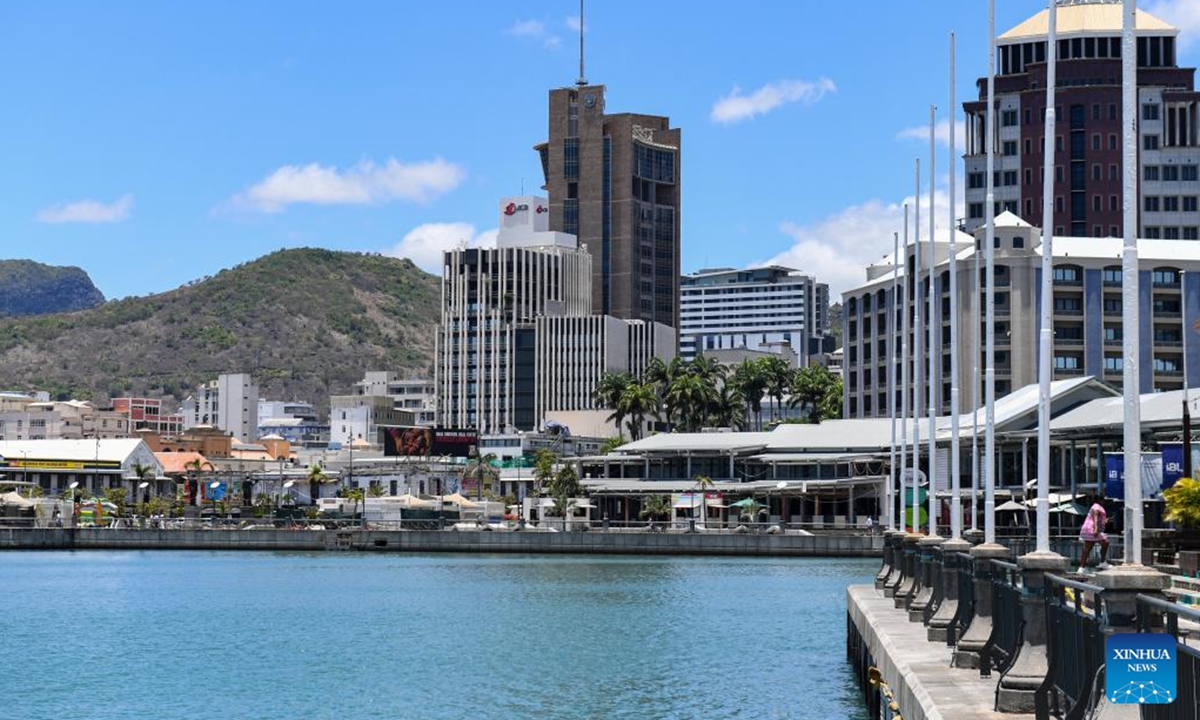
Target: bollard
x=966, y=652
x=910, y=583
x=896, y=542
x=922, y=599
x=886, y=568
x=1018, y=686
x=939, y=622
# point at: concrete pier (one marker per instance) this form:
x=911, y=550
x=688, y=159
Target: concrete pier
x=918, y=671
x=598, y=542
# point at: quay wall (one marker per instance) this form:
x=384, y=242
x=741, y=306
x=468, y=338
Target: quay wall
x=592, y=542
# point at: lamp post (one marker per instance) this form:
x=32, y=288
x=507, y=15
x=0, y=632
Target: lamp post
x=74, y=484
x=213, y=486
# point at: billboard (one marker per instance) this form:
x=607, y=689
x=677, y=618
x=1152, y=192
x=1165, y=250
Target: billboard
x=1173, y=462
x=407, y=441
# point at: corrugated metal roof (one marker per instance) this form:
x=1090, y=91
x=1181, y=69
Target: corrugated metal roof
x=116, y=450
x=1081, y=18
x=1163, y=407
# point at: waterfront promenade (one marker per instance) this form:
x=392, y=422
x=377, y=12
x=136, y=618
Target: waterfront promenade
x=590, y=542
x=919, y=671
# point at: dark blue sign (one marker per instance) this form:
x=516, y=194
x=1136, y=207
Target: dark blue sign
x=1114, y=476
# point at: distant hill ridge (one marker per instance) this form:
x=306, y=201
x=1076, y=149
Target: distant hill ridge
x=31, y=288
x=304, y=322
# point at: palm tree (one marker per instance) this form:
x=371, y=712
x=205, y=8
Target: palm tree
x=818, y=391
x=777, y=376
x=483, y=470
x=193, y=468
x=750, y=379
x=141, y=473
x=655, y=506
x=316, y=476
x=690, y=396
x=376, y=491
x=1183, y=502
x=608, y=394
x=729, y=407
x=612, y=444
x=358, y=496
x=709, y=370
x=704, y=483
x=638, y=402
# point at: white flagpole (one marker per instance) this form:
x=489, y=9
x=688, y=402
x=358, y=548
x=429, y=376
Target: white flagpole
x=955, y=409
x=891, y=495
x=919, y=350
x=989, y=371
x=1129, y=291
x=904, y=359
x=1046, y=332
x=934, y=328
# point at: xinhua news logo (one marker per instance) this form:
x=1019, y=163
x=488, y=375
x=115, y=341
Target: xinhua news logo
x=1140, y=668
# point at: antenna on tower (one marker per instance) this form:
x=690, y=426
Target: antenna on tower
x=582, y=80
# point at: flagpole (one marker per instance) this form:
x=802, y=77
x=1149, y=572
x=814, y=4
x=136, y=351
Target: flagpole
x=919, y=350
x=934, y=328
x=1129, y=290
x=904, y=360
x=989, y=370
x=955, y=482
x=891, y=381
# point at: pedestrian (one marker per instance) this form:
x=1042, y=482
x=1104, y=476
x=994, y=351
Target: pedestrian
x=57, y=518
x=1092, y=533
x=870, y=525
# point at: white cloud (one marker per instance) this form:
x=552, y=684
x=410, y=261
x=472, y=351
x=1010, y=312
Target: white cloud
x=941, y=132
x=425, y=244
x=87, y=211
x=1183, y=14
x=534, y=30
x=838, y=248
x=736, y=106
x=363, y=184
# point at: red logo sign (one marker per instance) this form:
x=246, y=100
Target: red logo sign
x=541, y=210
x=513, y=208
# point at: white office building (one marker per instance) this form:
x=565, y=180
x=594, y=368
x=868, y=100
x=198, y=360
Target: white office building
x=230, y=403
x=754, y=309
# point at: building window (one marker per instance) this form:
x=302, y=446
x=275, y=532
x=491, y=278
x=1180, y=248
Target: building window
x=1170, y=173
x=1189, y=173
x=975, y=180
x=1189, y=203
x=1112, y=276
x=1008, y=118
x=1097, y=173
x=1170, y=233
x=1191, y=233
x=1152, y=232
x=1150, y=173
x=1066, y=362
x=1151, y=203
x=975, y=210
x=1096, y=141
x=1112, y=141
x=1028, y=147
x=1112, y=173
x=1169, y=365
x=1170, y=203
x=1010, y=147
x=1114, y=363
x=1149, y=142
x=1112, y=306
x=1066, y=274
x=1112, y=203
x=1165, y=276
x=1150, y=111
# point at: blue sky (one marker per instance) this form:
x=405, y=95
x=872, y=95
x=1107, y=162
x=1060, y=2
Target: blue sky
x=155, y=143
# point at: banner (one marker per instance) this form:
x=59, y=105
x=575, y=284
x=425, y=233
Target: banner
x=1172, y=454
x=1153, y=475
x=428, y=442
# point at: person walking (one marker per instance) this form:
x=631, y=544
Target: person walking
x=1092, y=533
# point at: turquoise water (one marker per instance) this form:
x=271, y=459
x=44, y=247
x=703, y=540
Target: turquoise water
x=346, y=635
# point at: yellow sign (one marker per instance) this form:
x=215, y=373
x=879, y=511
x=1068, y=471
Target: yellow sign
x=46, y=464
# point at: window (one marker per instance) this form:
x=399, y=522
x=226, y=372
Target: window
x=1189, y=173
x=975, y=180
x=1170, y=173
x=1066, y=273
x=1008, y=118
x=1150, y=111
x=1170, y=203
x=1066, y=362
x=1112, y=306
x=1096, y=141
x=1112, y=172
x=1151, y=203
x=1112, y=141
x=1112, y=203
x=1165, y=276
x=1113, y=333
x=1010, y=177
x=1068, y=305
x=1169, y=365
x=1028, y=147
x=1010, y=147
x=1189, y=203
x=1097, y=174
x=1149, y=142
x=1191, y=233
x=1170, y=233
x=1097, y=203
x=1018, y=242
x=1150, y=173
x=1152, y=232
x=1114, y=363
x=975, y=210
x=1028, y=176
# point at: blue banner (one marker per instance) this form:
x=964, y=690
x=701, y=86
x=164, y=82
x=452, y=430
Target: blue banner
x=1173, y=462
x=1114, y=477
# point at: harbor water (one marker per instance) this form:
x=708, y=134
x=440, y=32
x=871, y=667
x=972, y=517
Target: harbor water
x=113, y=634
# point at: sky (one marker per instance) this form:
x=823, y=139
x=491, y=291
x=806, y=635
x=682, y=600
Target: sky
x=156, y=143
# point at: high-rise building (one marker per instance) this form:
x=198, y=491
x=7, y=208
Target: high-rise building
x=1088, y=131
x=757, y=309
x=491, y=298
x=614, y=182
x=230, y=403
x=417, y=395
x=1087, y=310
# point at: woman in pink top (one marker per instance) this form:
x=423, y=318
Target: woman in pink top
x=1092, y=532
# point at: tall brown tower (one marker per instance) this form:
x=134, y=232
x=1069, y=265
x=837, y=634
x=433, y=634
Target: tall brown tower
x=614, y=181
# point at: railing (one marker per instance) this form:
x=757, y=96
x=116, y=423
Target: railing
x=1074, y=648
x=1008, y=624
x=1155, y=615
x=966, y=599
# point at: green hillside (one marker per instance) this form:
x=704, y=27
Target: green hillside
x=31, y=288
x=305, y=322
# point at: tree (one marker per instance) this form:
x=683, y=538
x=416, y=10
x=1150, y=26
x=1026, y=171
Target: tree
x=316, y=476
x=703, y=483
x=749, y=378
x=359, y=497
x=777, y=379
x=564, y=485
x=194, y=468
x=729, y=407
x=376, y=491
x=1183, y=502
x=116, y=496
x=689, y=396
x=608, y=394
x=818, y=391
x=655, y=506
x=141, y=473
x=612, y=443
x=638, y=402
x=482, y=469
x=543, y=470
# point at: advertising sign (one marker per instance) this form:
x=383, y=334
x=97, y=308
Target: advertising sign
x=428, y=442
x=1172, y=454
x=1153, y=475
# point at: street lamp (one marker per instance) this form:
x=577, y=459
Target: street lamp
x=74, y=484
x=213, y=486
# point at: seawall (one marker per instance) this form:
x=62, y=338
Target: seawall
x=608, y=543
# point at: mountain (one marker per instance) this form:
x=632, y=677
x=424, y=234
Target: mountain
x=31, y=288
x=306, y=323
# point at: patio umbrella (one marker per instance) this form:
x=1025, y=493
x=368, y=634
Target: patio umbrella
x=1070, y=509
x=409, y=500
x=14, y=499
x=1011, y=506
x=460, y=500
x=748, y=502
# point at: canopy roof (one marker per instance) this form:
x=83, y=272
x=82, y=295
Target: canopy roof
x=1080, y=18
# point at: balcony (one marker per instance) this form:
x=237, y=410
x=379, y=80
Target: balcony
x=1069, y=342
